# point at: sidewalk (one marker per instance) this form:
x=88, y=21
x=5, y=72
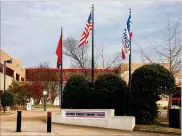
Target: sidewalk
x=28, y=134
x=33, y=124
x=39, y=128
x=76, y=134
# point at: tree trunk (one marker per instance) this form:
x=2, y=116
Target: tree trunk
x=169, y=104
x=4, y=108
x=52, y=102
x=36, y=101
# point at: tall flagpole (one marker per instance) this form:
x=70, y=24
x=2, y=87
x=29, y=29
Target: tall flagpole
x=61, y=74
x=92, y=46
x=130, y=91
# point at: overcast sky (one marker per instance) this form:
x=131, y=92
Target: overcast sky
x=30, y=30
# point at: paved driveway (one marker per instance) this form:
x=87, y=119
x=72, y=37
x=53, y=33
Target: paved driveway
x=33, y=123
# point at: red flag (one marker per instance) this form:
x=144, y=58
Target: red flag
x=59, y=52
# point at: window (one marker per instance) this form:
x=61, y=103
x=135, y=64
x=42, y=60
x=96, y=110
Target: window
x=1, y=68
x=9, y=72
x=17, y=77
x=22, y=79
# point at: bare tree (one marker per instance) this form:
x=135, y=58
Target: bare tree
x=78, y=54
x=102, y=54
x=168, y=51
x=111, y=62
x=81, y=58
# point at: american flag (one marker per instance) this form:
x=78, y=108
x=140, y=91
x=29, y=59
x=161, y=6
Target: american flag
x=127, y=34
x=88, y=28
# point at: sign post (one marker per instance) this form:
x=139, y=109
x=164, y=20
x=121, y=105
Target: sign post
x=49, y=116
x=18, y=124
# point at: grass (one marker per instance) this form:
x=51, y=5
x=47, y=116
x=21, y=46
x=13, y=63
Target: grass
x=52, y=106
x=160, y=126
x=6, y=113
x=37, y=106
x=47, y=106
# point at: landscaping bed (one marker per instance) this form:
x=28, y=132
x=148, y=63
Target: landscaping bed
x=160, y=126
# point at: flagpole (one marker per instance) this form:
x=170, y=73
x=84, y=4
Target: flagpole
x=130, y=91
x=92, y=46
x=61, y=74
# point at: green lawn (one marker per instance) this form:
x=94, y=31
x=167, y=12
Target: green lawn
x=47, y=106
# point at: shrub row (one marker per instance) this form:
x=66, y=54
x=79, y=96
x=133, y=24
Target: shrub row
x=110, y=92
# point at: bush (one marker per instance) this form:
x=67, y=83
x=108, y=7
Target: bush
x=20, y=98
x=148, y=82
x=21, y=91
x=76, y=92
x=110, y=93
x=7, y=99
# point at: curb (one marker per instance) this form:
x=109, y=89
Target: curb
x=160, y=132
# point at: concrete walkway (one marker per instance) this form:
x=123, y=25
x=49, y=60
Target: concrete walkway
x=33, y=124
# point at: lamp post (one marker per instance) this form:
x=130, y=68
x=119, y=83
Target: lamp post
x=6, y=61
x=44, y=93
x=30, y=90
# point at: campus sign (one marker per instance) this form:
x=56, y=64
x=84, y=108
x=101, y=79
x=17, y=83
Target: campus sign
x=103, y=118
x=85, y=114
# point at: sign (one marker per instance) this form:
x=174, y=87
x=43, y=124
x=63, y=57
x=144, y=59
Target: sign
x=85, y=114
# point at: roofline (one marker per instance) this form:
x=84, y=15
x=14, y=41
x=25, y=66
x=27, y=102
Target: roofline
x=70, y=69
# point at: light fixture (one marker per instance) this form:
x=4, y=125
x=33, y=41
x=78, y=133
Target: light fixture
x=9, y=61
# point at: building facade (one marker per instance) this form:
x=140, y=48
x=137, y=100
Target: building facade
x=14, y=70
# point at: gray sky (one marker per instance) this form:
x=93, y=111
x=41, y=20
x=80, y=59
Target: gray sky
x=31, y=30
